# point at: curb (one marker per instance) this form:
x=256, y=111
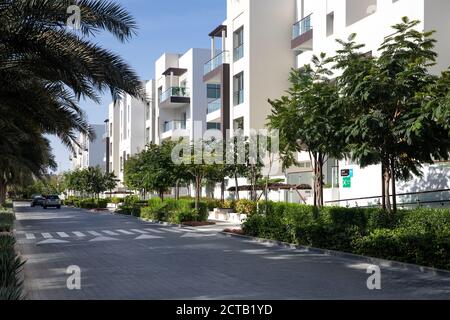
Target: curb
x=371, y=260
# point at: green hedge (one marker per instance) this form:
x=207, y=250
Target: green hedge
x=10, y=265
x=90, y=203
x=419, y=236
x=174, y=211
x=6, y=220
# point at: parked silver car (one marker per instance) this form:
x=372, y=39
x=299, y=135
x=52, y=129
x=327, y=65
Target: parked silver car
x=52, y=201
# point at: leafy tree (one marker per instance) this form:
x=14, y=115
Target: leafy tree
x=308, y=119
x=152, y=169
x=391, y=101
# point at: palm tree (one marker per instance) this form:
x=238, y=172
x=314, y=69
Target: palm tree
x=46, y=68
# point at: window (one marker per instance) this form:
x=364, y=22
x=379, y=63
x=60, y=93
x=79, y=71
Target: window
x=213, y=126
x=213, y=91
x=147, y=111
x=147, y=135
x=238, y=124
x=238, y=87
x=238, y=44
x=330, y=24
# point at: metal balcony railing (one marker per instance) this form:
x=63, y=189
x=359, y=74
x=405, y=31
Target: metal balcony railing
x=214, y=105
x=301, y=27
x=179, y=92
x=174, y=125
x=217, y=61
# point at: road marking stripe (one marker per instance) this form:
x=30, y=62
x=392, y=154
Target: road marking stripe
x=94, y=233
x=138, y=231
x=30, y=236
x=124, y=232
x=47, y=235
x=110, y=233
x=174, y=230
x=154, y=230
x=62, y=234
x=79, y=234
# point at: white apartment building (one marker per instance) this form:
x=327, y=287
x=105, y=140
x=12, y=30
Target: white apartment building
x=320, y=23
x=127, y=124
x=180, y=95
x=89, y=153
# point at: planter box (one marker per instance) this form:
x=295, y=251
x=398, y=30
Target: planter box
x=222, y=214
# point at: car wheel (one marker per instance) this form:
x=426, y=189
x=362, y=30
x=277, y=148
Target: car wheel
x=45, y=207
x=59, y=207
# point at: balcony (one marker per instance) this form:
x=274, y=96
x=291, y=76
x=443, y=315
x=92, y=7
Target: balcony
x=217, y=61
x=214, y=110
x=174, y=125
x=175, y=97
x=302, y=34
x=174, y=128
x=214, y=106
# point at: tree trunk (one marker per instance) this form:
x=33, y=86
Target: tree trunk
x=2, y=193
x=161, y=195
x=237, y=187
x=198, y=186
x=383, y=189
x=222, y=191
x=318, y=184
x=177, y=190
x=394, y=189
x=387, y=181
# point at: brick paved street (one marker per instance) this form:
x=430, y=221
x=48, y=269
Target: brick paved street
x=124, y=258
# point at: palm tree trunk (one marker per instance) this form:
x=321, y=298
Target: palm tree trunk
x=2, y=193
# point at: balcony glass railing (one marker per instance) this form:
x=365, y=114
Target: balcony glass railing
x=179, y=92
x=214, y=105
x=174, y=125
x=238, y=97
x=217, y=61
x=238, y=53
x=302, y=27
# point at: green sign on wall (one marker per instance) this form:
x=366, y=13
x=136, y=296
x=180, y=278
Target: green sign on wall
x=347, y=182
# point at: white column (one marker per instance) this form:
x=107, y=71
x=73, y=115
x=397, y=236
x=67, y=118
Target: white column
x=224, y=40
x=171, y=79
x=213, y=47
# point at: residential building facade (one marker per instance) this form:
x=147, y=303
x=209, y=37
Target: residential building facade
x=180, y=95
x=319, y=24
x=89, y=153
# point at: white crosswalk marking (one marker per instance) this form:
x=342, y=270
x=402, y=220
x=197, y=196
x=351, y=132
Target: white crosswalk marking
x=62, y=234
x=79, y=234
x=47, y=235
x=110, y=233
x=124, y=232
x=94, y=233
x=30, y=236
x=154, y=230
x=174, y=230
x=138, y=231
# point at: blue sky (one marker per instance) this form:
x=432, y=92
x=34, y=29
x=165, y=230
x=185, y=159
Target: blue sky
x=164, y=26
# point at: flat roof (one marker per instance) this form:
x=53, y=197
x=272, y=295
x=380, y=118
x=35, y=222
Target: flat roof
x=176, y=72
x=217, y=32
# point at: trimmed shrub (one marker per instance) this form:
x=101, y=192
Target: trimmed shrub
x=174, y=211
x=247, y=207
x=10, y=266
x=6, y=220
x=419, y=236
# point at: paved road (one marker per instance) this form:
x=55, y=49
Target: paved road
x=124, y=258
